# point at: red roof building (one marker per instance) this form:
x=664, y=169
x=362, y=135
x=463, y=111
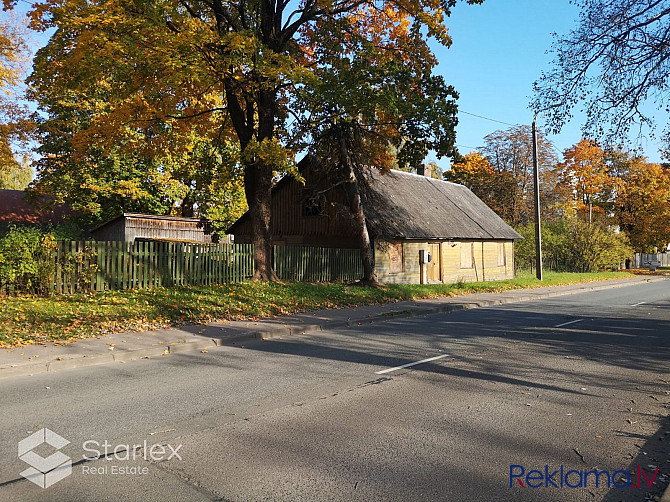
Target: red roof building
x=14, y=208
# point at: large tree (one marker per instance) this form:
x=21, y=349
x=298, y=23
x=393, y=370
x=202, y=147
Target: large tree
x=14, y=124
x=226, y=70
x=510, y=152
x=492, y=186
x=397, y=113
x=642, y=203
x=616, y=61
x=583, y=180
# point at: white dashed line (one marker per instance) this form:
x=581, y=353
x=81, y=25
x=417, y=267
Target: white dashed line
x=389, y=370
x=637, y=304
x=569, y=322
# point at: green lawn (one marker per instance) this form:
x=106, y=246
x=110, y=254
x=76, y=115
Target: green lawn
x=29, y=320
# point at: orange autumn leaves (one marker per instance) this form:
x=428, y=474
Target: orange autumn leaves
x=583, y=179
x=612, y=188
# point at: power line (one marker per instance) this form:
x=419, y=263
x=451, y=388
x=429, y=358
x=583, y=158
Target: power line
x=486, y=118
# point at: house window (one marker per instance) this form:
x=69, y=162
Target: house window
x=466, y=255
x=312, y=206
x=396, y=260
x=502, y=259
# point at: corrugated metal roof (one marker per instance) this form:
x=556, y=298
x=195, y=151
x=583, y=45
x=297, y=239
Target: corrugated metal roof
x=402, y=205
x=143, y=216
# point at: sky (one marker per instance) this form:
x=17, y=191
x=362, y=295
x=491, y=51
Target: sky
x=499, y=49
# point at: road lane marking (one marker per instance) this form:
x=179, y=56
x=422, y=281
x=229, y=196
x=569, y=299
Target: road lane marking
x=389, y=370
x=569, y=322
x=637, y=304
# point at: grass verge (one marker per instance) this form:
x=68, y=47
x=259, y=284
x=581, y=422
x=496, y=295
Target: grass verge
x=62, y=319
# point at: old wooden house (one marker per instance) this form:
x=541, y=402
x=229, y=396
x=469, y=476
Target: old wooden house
x=131, y=227
x=408, y=215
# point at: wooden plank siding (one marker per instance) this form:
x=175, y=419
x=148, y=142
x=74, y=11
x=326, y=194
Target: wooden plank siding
x=485, y=264
x=130, y=227
x=333, y=228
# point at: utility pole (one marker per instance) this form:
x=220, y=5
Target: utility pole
x=538, y=232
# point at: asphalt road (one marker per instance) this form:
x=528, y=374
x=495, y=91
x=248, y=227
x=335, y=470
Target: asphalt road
x=579, y=381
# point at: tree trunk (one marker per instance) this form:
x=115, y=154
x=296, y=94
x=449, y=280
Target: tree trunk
x=187, y=206
x=355, y=206
x=257, y=174
x=258, y=188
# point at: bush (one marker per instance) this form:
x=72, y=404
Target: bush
x=571, y=245
x=555, y=246
x=29, y=261
x=25, y=263
x=594, y=248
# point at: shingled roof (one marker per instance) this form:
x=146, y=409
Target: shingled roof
x=402, y=205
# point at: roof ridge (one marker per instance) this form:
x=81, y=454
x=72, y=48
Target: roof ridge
x=426, y=177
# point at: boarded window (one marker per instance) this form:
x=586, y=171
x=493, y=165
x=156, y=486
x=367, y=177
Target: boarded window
x=312, y=206
x=502, y=259
x=395, y=258
x=466, y=255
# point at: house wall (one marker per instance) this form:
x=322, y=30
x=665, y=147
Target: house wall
x=485, y=265
x=289, y=226
x=410, y=273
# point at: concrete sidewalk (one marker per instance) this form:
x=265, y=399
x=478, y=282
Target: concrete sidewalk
x=124, y=347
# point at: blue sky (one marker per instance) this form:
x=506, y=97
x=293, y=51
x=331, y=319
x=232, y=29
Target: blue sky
x=498, y=51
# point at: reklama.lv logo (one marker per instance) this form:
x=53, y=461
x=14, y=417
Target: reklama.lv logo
x=560, y=478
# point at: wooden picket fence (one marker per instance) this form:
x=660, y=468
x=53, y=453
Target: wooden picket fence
x=99, y=266
x=312, y=264
x=93, y=266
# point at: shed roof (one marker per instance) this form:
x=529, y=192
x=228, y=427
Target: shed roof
x=402, y=205
x=142, y=216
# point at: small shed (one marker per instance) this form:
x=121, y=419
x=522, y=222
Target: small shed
x=408, y=215
x=131, y=227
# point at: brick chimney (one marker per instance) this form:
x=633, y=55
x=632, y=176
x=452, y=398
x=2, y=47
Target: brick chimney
x=424, y=170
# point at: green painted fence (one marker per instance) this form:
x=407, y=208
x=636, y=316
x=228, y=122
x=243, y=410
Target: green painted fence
x=99, y=266
x=92, y=266
x=311, y=264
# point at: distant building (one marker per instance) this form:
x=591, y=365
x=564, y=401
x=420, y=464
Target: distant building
x=407, y=216
x=131, y=227
x=15, y=209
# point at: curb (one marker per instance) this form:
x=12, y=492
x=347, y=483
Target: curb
x=666, y=495
x=67, y=363
x=33, y=368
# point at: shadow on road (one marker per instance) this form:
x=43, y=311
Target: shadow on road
x=654, y=453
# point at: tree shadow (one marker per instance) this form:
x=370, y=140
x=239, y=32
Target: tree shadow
x=654, y=453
